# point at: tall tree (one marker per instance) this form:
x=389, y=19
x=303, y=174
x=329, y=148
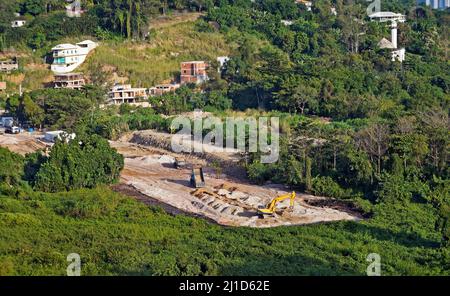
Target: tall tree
x=374, y=139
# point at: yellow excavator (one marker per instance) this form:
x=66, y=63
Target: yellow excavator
x=271, y=206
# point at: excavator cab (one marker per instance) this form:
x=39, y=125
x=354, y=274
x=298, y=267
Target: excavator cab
x=272, y=205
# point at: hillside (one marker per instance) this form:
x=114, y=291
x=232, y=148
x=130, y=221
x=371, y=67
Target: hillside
x=173, y=39
x=158, y=60
x=359, y=138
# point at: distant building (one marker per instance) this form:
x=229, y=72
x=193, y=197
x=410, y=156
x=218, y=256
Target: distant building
x=333, y=10
x=54, y=135
x=193, y=72
x=161, y=89
x=6, y=121
x=67, y=57
x=9, y=65
x=124, y=93
x=435, y=4
x=287, y=22
x=18, y=23
x=74, y=9
x=69, y=80
x=397, y=54
x=307, y=3
x=384, y=43
x=387, y=16
x=222, y=61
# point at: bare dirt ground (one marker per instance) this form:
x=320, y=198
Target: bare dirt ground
x=22, y=143
x=150, y=176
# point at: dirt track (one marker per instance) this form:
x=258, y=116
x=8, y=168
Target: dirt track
x=22, y=143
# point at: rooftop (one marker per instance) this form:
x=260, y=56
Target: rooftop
x=387, y=15
x=64, y=46
x=384, y=43
x=86, y=42
x=69, y=74
x=193, y=62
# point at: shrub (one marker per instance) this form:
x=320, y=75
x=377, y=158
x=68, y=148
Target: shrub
x=87, y=204
x=326, y=186
x=84, y=162
x=259, y=172
x=11, y=166
x=17, y=219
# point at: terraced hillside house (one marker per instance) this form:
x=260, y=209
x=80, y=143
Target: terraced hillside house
x=69, y=80
x=193, y=72
x=67, y=57
x=9, y=65
x=161, y=89
x=124, y=93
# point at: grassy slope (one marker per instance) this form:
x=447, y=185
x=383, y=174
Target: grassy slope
x=145, y=63
x=33, y=74
x=117, y=235
x=157, y=61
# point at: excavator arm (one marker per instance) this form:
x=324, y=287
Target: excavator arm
x=271, y=207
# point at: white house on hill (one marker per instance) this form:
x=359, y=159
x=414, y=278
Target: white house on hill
x=67, y=57
x=18, y=23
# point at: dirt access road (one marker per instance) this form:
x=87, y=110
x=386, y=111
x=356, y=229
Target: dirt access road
x=22, y=143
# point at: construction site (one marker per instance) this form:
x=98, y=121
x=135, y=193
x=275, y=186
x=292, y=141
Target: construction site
x=209, y=185
x=213, y=186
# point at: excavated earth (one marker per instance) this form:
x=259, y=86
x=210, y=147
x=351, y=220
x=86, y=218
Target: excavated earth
x=227, y=199
x=22, y=143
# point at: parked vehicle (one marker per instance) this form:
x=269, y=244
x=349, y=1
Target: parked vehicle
x=12, y=130
x=7, y=121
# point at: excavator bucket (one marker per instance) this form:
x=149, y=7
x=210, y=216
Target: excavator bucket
x=197, y=177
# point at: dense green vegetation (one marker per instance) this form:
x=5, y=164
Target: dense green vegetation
x=355, y=126
x=116, y=235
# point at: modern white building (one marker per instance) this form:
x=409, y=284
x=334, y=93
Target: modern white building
x=54, y=135
x=307, y=3
x=387, y=16
x=435, y=4
x=18, y=23
x=67, y=57
x=397, y=54
x=222, y=61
